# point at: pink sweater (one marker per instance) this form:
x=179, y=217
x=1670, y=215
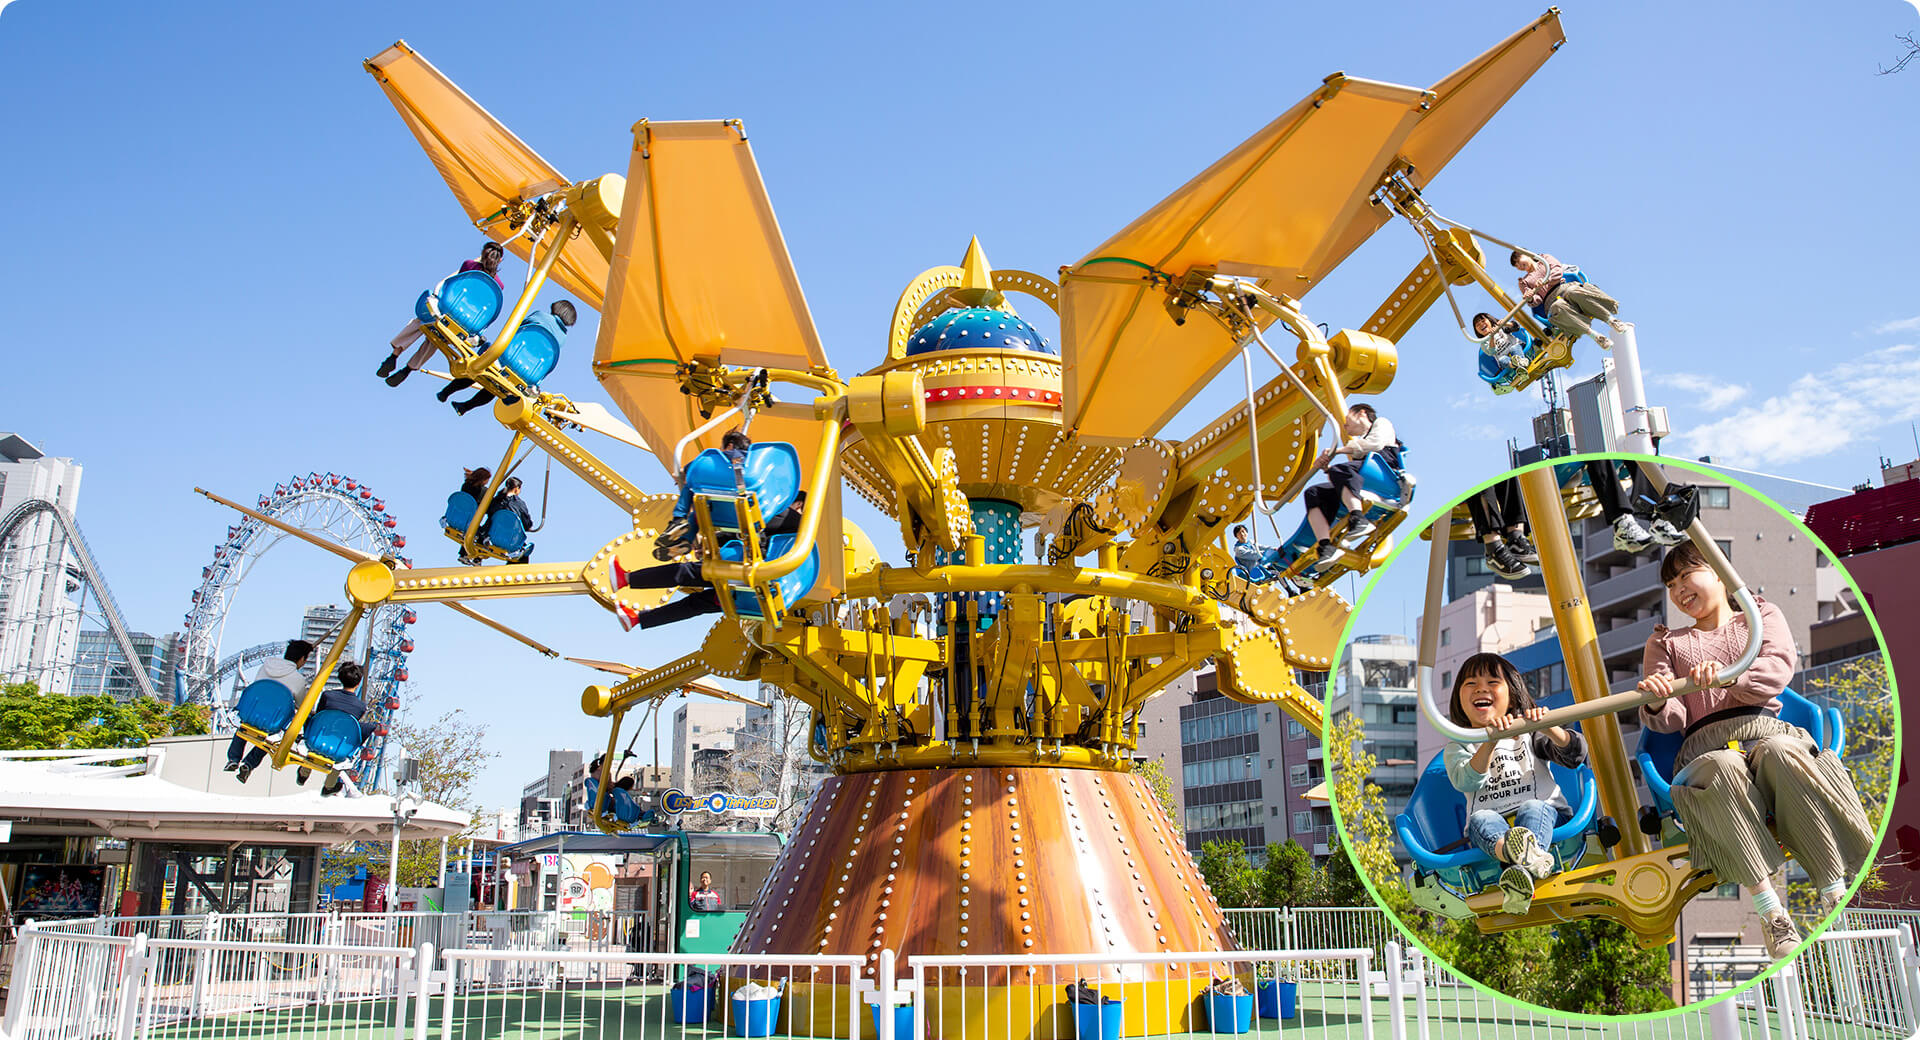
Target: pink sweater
x=1675, y=653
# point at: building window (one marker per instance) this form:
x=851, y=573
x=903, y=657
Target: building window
x=1477, y=566
x=1295, y=730
x=1302, y=821
x=1726, y=547
x=1276, y=810
x=1269, y=763
x=1446, y=680
x=1297, y=776
x=1269, y=717
x=1715, y=498
x=1446, y=637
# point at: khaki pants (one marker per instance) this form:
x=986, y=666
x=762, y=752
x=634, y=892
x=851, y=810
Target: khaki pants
x=412, y=333
x=1723, y=798
x=1576, y=305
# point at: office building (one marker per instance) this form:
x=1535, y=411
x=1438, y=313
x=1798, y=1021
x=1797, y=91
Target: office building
x=1246, y=770
x=101, y=669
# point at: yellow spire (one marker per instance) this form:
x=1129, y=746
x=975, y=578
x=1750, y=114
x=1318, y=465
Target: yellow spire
x=976, y=280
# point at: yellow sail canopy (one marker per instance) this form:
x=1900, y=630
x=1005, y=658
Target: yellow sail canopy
x=481, y=160
x=1285, y=207
x=700, y=270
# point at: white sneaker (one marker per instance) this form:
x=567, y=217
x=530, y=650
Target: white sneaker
x=1665, y=533
x=1516, y=891
x=1778, y=933
x=1629, y=536
x=1605, y=343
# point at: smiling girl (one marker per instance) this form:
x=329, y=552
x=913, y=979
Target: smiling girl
x=1513, y=801
x=1740, y=763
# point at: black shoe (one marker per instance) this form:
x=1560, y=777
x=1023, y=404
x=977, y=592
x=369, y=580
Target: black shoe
x=446, y=392
x=463, y=407
x=232, y=764
x=331, y=787
x=1523, y=548
x=300, y=775
x=245, y=771
x=1326, y=554
x=399, y=377
x=1502, y=561
x=386, y=365
x=676, y=539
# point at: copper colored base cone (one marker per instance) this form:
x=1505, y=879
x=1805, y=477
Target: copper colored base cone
x=984, y=861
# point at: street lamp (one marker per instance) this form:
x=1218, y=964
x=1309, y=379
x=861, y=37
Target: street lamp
x=402, y=812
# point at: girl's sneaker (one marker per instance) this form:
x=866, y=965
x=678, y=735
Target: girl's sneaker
x=1524, y=851
x=1778, y=932
x=1665, y=533
x=1629, y=536
x=1523, y=548
x=1605, y=343
x=1516, y=890
x=1502, y=560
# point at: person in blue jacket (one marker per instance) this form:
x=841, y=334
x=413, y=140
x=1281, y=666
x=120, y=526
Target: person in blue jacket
x=556, y=322
x=678, y=536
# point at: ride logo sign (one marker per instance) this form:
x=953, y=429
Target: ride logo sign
x=675, y=801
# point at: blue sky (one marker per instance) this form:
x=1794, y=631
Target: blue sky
x=218, y=221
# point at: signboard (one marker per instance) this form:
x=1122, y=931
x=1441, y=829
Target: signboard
x=759, y=806
x=549, y=861
x=586, y=882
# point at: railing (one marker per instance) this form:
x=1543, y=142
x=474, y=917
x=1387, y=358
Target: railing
x=71, y=983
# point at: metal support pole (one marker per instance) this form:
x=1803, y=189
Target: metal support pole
x=1723, y=1019
x=1636, y=425
x=1580, y=647
x=440, y=879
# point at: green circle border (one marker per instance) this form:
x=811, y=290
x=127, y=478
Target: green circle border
x=1413, y=539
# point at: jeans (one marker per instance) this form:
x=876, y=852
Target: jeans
x=1486, y=829
x=255, y=755
x=685, y=505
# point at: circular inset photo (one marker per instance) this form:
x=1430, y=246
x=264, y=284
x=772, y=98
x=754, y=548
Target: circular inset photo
x=1613, y=735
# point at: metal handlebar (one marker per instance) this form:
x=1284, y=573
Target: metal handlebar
x=1598, y=706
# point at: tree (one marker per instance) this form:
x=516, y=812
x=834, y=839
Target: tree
x=1912, y=43
x=1287, y=876
x=451, y=752
x=1361, y=803
x=1230, y=874
x=1595, y=966
x=30, y=720
x=1154, y=772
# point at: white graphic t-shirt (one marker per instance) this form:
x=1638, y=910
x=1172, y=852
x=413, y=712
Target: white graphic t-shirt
x=1518, y=770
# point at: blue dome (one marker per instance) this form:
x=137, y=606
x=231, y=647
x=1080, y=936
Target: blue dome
x=977, y=327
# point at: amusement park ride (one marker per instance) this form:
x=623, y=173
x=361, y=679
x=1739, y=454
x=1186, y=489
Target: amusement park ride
x=978, y=706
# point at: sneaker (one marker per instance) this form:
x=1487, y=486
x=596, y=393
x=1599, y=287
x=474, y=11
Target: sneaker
x=1605, y=343
x=1629, y=536
x=399, y=377
x=1827, y=905
x=1778, y=933
x=676, y=539
x=231, y=766
x=1523, y=548
x=1617, y=325
x=463, y=407
x=1325, y=556
x=1665, y=533
x=386, y=366
x=1501, y=560
x=628, y=615
x=1523, y=849
x=1516, y=891
x=245, y=771
x=618, y=574
x=1358, y=528
x=302, y=775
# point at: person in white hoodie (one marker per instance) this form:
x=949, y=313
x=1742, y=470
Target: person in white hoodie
x=286, y=670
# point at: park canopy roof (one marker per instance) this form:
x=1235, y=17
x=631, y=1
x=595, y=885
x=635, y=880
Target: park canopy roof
x=481, y=160
x=1285, y=207
x=699, y=270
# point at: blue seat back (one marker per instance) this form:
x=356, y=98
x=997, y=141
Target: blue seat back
x=471, y=298
x=771, y=472
x=333, y=735
x=1657, y=751
x=1491, y=370
x=267, y=705
x=505, y=531
x=1379, y=478
x=531, y=353
x=1803, y=713
x=460, y=507
x=792, y=587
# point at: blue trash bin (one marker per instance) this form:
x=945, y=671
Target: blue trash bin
x=1227, y=1013
x=1097, y=1021
x=902, y=1020
x=687, y=1005
x=1277, y=999
x=754, y=1017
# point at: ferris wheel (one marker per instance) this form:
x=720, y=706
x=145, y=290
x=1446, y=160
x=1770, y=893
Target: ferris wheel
x=334, y=507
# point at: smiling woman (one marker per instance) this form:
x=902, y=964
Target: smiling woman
x=1529, y=819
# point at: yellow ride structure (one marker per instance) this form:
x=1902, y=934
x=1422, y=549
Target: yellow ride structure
x=965, y=660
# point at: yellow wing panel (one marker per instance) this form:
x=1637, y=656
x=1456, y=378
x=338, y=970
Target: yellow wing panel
x=699, y=270
x=482, y=161
x=1272, y=209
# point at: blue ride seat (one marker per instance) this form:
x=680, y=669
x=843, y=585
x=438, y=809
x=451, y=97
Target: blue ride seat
x=1657, y=751
x=771, y=473
x=459, y=514
x=505, y=532
x=1436, y=817
x=792, y=587
x=471, y=298
x=1380, y=479
x=1495, y=374
x=333, y=734
x=267, y=705
x=534, y=348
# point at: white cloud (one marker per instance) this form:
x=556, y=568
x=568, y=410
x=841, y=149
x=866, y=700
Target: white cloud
x=1715, y=394
x=1479, y=432
x=1897, y=325
x=1818, y=414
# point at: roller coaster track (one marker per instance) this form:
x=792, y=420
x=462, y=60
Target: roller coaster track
x=70, y=530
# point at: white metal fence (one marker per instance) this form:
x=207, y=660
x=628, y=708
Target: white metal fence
x=362, y=977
